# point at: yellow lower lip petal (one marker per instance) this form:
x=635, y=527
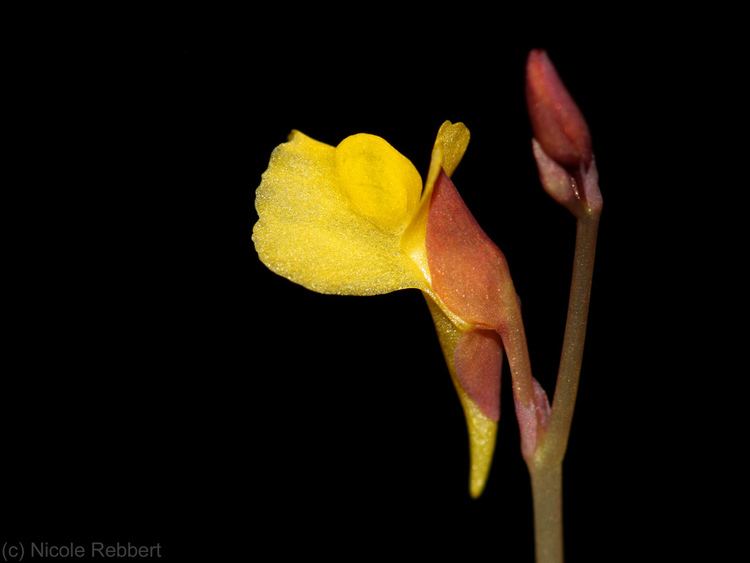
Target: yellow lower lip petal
x=314, y=231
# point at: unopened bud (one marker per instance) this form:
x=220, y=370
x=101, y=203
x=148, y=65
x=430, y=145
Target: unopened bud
x=558, y=124
x=562, y=143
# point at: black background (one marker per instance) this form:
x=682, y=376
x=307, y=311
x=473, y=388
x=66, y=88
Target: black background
x=166, y=387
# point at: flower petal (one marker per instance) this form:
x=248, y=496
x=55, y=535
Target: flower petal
x=331, y=237
x=482, y=429
x=453, y=139
x=380, y=182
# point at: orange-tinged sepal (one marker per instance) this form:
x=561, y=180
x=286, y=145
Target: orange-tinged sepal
x=479, y=359
x=469, y=272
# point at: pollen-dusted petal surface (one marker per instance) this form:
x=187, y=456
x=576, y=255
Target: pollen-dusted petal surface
x=469, y=273
x=482, y=429
x=327, y=236
x=479, y=358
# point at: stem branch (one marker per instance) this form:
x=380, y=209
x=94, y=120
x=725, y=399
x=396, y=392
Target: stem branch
x=545, y=467
x=556, y=440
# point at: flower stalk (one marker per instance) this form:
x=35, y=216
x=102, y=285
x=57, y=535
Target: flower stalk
x=545, y=466
x=569, y=372
x=567, y=170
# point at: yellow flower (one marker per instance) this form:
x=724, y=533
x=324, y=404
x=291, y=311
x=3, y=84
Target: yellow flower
x=355, y=220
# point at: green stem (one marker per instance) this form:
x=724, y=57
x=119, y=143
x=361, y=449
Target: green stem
x=545, y=467
x=546, y=485
x=558, y=430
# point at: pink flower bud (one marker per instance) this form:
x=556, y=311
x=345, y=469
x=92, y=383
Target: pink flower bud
x=558, y=124
x=561, y=144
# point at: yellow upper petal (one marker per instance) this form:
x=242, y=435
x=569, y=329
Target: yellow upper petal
x=331, y=218
x=453, y=139
x=381, y=184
